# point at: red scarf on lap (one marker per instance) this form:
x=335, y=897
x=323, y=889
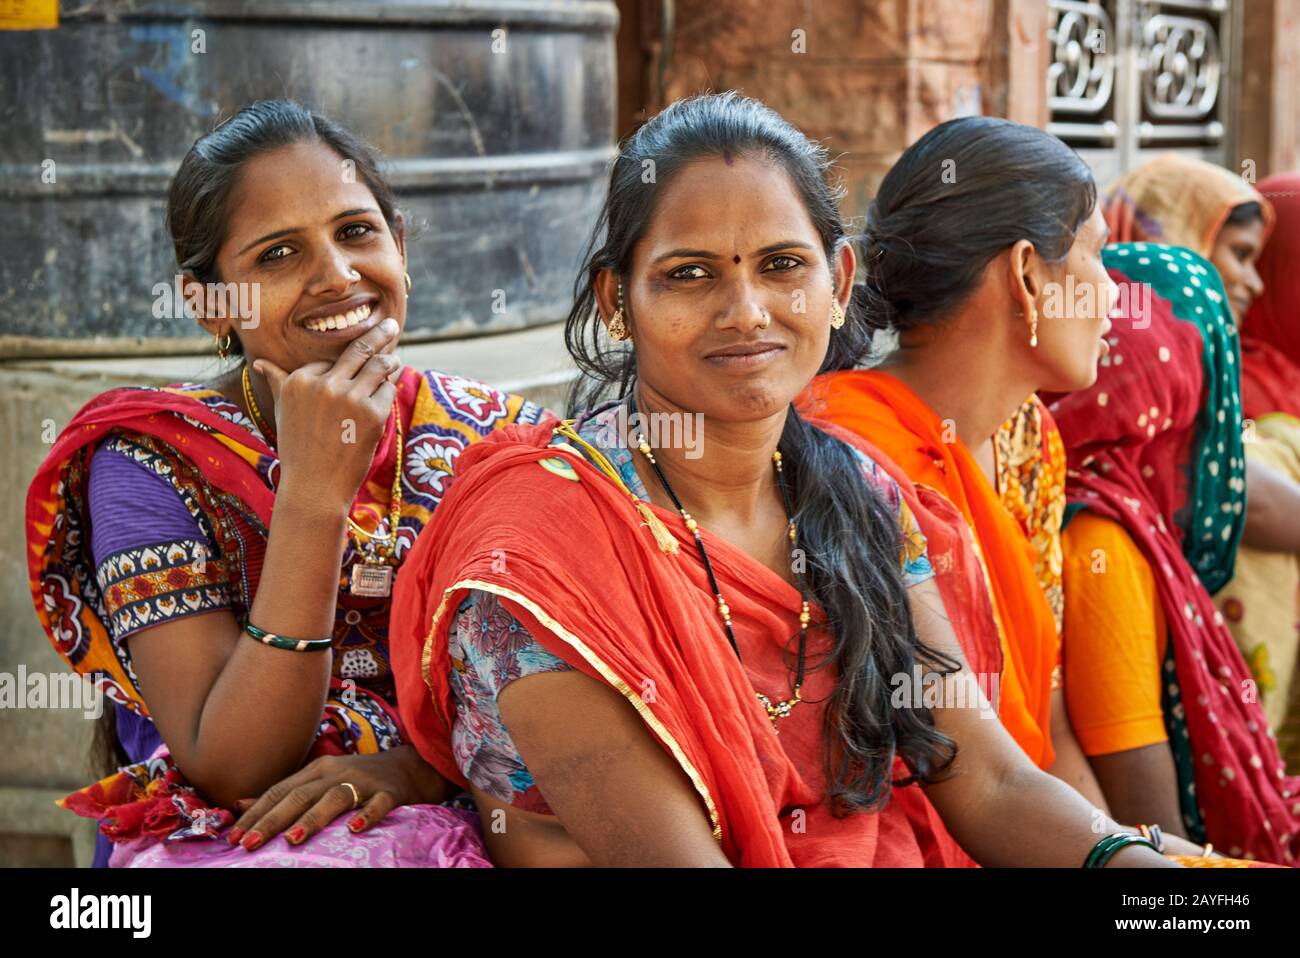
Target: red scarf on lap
x=570, y=556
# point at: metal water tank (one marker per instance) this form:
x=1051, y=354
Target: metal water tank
x=496, y=121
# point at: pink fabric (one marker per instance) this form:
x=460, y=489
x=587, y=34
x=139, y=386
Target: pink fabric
x=410, y=836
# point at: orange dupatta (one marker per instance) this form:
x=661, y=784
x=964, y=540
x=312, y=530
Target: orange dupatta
x=879, y=407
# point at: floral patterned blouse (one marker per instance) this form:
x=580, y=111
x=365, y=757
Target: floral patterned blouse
x=153, y=541
x=490, y=648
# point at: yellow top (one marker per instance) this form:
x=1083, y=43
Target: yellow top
x=1114, y=638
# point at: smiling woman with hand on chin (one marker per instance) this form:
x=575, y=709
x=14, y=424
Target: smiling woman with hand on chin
x=221, y=556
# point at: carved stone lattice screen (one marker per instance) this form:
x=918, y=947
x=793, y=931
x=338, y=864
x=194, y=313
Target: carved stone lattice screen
x=1130, y=78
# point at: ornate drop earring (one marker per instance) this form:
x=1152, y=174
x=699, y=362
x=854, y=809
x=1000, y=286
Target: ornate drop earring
x=1033, y=326
x=223, y=349
x=617, y=328
x=837, y=314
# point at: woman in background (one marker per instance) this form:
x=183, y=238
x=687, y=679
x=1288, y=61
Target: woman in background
x=1156, y=685
x=1270, y=398
x=1191, y=203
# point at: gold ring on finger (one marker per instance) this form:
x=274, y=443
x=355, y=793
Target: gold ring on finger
x=356, y=797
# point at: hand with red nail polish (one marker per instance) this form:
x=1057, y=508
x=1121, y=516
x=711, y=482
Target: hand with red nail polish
x=251, y=841
x=330, y=787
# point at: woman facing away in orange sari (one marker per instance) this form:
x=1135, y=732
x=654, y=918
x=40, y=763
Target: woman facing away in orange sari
x=992, y=282
x=675, y=630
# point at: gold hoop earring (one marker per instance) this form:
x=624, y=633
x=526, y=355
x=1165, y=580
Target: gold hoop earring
x=837, y=314
x=408, y=283
x=1033, y=327
x=617, y=328
x=223, y=349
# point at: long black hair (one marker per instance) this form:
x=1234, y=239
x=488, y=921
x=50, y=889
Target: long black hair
x=958, y=196
x=855, y=576
x=198, y=198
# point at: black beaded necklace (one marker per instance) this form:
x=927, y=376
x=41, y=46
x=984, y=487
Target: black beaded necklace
x=780, y=709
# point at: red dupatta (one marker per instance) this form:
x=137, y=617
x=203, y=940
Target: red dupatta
x=1154, y=445
x=568, y=553
x=1270, y=333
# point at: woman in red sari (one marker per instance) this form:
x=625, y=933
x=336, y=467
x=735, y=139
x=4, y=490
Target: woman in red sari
x=1270, y=399
x=638, y=648
x=217, y=557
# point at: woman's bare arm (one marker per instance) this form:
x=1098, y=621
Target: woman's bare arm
x=1071, y=765
x=613, y=786
x=239, y=716
x=1143, y=786
x=999, y=806
x=622, y=798
x=1272, y=509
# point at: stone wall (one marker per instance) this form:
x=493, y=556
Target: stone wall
x=1268, y=102
x=867, y=77
x=874, y=75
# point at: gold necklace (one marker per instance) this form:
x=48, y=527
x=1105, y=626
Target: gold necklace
x=255, y=411
x=775, y=710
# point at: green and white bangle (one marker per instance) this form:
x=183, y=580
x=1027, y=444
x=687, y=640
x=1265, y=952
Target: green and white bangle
x=285, y=642
x=1105, y=849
